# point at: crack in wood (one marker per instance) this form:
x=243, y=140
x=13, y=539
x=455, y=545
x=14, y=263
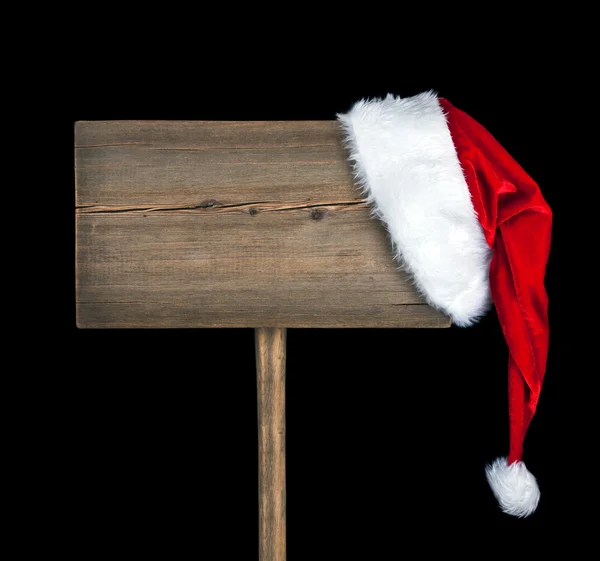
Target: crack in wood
x=317, y=210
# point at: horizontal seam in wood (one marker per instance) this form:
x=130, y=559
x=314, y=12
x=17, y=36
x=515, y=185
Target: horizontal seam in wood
x=215, y=207
x=204, y=148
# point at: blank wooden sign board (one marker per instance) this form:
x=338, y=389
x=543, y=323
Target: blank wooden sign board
x=234, y=224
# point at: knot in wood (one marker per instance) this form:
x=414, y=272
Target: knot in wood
x=318, y=213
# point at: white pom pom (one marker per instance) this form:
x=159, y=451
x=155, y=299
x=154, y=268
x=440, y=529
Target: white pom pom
x=515, y=487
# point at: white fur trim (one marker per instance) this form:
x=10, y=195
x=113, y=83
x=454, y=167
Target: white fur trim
x=405, y=162
x=515, y=487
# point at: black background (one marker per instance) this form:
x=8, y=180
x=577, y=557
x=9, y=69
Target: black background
x=388, y=431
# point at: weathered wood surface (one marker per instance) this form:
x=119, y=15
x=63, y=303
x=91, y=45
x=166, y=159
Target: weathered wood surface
x=230, y=224
x=270, y=376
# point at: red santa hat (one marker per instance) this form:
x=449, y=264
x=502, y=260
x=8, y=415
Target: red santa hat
x=471, y=228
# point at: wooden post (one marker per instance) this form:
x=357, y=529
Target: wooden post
x=270, y=370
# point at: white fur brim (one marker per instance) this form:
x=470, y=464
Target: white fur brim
x=514, y=486
x=405, y=161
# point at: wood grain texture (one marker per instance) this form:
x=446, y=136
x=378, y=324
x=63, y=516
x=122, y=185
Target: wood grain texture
x=270, y=370
x=175, y=162
x=225, y=224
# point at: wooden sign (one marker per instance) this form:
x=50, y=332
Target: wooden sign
x=234, y=224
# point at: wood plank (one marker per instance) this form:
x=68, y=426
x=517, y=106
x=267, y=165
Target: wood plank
x=208, y=241
x=270, y=376
x=172, y=163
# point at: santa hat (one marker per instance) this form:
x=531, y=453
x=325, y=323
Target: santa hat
x=471, y=228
